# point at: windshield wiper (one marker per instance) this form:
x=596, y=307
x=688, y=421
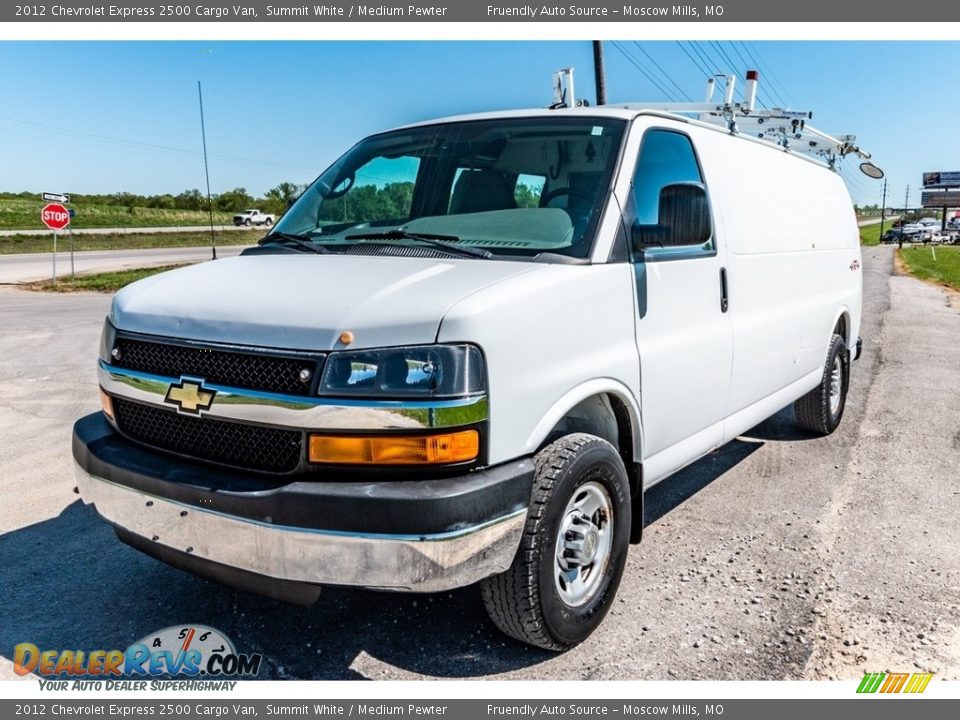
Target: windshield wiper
x=447, y=242
x=301, y=241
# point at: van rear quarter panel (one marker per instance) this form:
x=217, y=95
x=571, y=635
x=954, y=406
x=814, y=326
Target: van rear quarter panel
x=793, y=260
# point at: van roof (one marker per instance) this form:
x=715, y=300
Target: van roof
x=613, y=111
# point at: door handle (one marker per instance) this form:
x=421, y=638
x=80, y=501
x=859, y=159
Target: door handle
x=724, y=297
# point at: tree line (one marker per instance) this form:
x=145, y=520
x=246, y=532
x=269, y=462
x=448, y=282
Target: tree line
x=274, y=201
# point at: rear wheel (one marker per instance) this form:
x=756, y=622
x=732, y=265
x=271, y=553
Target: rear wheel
x=574, y=547
x=821, y=409
x=268, y=222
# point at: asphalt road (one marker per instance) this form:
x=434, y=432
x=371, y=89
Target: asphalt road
x=777, y=557
x=28, y=267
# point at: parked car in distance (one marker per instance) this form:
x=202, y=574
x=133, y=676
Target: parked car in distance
x=253, y=217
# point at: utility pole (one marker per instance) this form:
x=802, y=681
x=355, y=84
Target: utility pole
x=906, y=201
x=883, y=206
x=599, y=72
x=206, y=170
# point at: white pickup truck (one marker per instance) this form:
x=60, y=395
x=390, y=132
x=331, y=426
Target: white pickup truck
x=472, y=371
x=253, y=217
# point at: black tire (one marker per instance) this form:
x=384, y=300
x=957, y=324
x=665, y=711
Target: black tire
x=248, y=222
x=268, y=222
x=525, y=602
x=813, y=410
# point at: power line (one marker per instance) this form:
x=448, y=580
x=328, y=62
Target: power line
x=746, y=66
x=706, y=60
x=664, y=72
x=714, y=58
x=785, y=97
x=643, y=70
x=149, y=146
x=725, y=60
x=775, y=95
x=696, y=63
x=723, y=53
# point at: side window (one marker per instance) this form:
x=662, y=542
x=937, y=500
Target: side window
x=666, y=158
x=381, y=191
x=528, y=190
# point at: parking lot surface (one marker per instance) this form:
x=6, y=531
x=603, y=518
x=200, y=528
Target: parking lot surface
x=779, y=556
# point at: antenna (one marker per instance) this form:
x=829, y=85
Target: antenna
x=206, y=170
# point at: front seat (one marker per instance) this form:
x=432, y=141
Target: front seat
x=481, y=191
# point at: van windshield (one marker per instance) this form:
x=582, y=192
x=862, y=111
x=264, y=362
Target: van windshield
x=509, y=187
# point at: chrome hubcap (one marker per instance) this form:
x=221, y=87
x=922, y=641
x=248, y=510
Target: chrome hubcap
x=583, y=544
x=836, y=386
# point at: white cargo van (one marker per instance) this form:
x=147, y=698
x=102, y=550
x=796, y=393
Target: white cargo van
x=465, y=353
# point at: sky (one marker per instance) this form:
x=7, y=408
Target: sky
x=104, y=117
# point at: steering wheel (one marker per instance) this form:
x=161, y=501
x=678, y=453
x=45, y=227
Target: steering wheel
x=552, y=195
x=342, y=188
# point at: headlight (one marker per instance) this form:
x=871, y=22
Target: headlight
x=107, y=339
x=434, y=371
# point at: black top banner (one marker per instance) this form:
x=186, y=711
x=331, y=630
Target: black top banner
x=639, y=11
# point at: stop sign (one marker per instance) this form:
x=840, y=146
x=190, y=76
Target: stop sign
x=55, y=216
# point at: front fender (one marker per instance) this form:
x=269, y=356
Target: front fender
x=571, y=399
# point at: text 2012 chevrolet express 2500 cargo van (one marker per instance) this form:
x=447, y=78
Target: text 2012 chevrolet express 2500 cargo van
x=466, y=351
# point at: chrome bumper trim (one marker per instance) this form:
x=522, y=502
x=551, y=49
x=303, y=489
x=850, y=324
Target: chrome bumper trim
x=309, y=413
x=422, y=563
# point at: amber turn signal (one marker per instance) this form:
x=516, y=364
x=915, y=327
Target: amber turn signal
x=395, y=449
x=106, y=402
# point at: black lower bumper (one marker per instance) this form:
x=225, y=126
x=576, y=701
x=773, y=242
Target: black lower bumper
x=394, y=506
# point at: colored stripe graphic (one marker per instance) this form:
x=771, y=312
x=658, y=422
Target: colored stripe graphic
x=894, y=682
x=918, y=682
x=870, y=682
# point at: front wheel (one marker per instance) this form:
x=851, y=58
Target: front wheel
x=574, y=548
x=248, y=222
x=821, y=409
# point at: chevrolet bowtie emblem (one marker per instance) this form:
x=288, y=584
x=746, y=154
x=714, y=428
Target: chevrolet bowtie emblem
x=190, y=396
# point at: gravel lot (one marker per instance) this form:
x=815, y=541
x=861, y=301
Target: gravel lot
x=776, y=557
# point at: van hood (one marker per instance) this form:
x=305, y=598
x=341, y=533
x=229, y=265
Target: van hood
x=305, y=302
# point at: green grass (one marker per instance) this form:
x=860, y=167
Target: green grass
x=945, y=269
x=23, y=214
x=870, y=235
x=108, y=282
x=16, y=244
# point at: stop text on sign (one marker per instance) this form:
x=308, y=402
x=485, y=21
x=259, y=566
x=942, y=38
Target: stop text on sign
x=55, y=216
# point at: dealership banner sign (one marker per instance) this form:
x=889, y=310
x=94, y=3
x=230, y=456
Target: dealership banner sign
x=484, y=11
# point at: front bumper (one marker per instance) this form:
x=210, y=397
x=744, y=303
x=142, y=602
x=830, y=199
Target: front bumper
x=276, y=535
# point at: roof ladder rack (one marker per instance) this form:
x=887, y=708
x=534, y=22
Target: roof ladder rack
x=789, y=129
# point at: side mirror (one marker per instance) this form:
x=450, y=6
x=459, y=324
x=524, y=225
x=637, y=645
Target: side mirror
x=684, y=218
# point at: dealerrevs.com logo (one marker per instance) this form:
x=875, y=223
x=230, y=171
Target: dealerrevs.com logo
x=192, y=651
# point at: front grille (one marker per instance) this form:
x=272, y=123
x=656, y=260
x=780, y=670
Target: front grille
x=254, y=371
x=245, y=446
